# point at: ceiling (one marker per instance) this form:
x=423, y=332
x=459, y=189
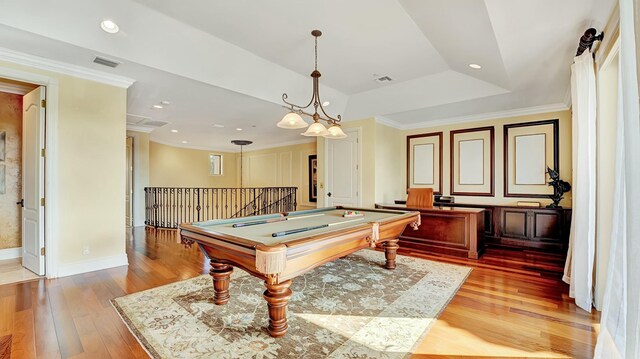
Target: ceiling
x=228, y=63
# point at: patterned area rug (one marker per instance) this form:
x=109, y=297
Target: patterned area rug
x=349, y=308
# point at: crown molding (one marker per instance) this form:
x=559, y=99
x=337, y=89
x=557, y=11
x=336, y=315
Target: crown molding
x=138, y=128
x=388, y=122
x=188, y=147
x=64, y=68
x=218, y=149
x=15, y=89
x=282, y=144
x=488, y=116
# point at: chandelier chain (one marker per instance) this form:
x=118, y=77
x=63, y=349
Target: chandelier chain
x=316, y=52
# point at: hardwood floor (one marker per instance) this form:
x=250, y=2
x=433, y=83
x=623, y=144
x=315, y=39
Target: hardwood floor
x=510, y=306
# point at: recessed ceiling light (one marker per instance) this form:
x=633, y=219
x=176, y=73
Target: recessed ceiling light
x=326, y=103
x=185, y=142
x=174, y=131
x=475, y=66
x=165, y=102
x=158, y=106
x=217, y=125
x=238, y=129
x=109, y=26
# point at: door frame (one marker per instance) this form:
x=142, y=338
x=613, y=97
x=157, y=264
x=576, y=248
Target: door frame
x=130, y=179
x=51, y=161
x=358, y=161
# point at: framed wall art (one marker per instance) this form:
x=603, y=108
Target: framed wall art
x=529, y=148
x=472, y=162
x=424, y=161
x=313, y=178
x=3, y=145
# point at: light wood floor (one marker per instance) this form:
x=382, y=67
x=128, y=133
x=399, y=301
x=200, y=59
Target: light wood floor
x=509, y=307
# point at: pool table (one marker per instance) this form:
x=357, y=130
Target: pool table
x=264, y=247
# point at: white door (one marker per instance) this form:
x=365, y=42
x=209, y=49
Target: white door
x=128, y=195
x=32, y=180
x=343, y=162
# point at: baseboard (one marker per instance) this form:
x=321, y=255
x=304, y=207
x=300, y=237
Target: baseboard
x=10, y=253
x=92, y=265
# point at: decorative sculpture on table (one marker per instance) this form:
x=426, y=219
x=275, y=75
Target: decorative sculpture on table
x=560, y=187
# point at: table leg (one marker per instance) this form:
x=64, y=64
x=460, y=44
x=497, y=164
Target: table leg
x=390, y=248
x=277, y=296
x=221, y=274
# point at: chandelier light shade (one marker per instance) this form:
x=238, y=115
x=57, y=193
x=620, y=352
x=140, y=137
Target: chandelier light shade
x=292, y=120
x=335, y=132
x=317, y=129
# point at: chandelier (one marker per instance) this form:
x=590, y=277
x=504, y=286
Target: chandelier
x=293, y=120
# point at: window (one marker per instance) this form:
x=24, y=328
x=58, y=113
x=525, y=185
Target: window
x=215, y=165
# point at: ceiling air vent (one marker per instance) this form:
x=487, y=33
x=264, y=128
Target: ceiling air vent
x=133, y=119
x=383, y=79
x=106, y=62
x=152, y=123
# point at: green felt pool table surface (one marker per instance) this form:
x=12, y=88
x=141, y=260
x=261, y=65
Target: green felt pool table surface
x=262, y=233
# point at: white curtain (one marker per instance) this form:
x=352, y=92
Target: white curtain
x=619, y=326
x=578, y=271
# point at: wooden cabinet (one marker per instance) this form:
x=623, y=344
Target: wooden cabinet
x=542, y=228
x=447, y=230
x=546, y=229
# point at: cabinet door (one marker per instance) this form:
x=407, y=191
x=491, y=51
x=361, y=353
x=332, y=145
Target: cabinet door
x=488, y=222
x=547, y=226
x=514, y=223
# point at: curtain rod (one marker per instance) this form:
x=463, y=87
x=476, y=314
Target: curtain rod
x=587, y=40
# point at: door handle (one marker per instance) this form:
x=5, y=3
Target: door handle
x=21, y=203
x=329, y=194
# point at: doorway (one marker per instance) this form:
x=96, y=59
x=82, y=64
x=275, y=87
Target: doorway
x=22, y=116
x=129, y=187
x=343, y=170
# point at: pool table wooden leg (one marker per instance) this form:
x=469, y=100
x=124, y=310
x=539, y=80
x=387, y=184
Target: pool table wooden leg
x=221, y=274
x=390, y=248
x=277, y=297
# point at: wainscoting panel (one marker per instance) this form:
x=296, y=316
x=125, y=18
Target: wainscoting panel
x=286, y=169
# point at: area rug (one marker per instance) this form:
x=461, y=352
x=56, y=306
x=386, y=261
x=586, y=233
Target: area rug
x=349, y=308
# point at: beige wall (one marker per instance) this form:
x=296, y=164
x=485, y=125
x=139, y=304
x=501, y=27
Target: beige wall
x=140, y=174
x=384, y=159
x=564, y=118
x=89, y=178
x=389, y=169
x=91, y=158
x=182, y=167
x=11, y=124
x=281, y=166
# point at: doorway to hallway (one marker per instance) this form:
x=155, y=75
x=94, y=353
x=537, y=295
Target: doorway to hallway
x=22, y=155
